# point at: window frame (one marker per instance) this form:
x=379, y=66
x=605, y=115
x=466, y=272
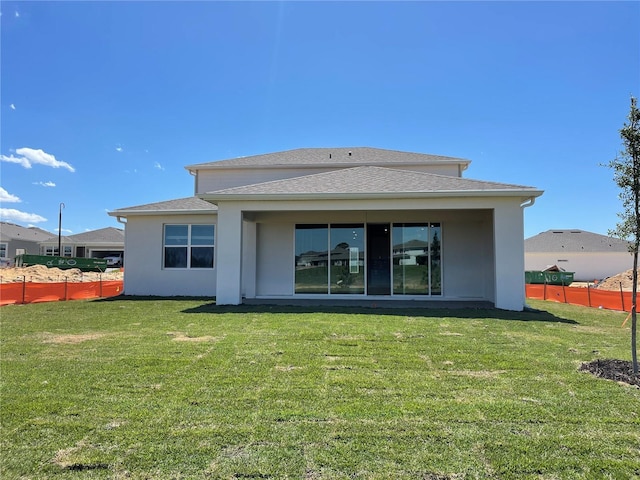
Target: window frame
x=190, y=247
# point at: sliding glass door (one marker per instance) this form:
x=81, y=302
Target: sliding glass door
x=397, y=259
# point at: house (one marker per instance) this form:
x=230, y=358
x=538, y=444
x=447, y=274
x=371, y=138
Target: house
x=590, y=255
x=16, y=239
x=98, y=243
x=332, y=223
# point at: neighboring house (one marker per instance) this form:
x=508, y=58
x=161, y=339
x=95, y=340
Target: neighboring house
x=99, y=243
x=15, y=239
x=590, y=255
x=333, y=223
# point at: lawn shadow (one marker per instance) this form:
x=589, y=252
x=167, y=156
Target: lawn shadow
x=426, y=309
x=529, y=315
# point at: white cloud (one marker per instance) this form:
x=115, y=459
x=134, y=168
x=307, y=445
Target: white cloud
x=12, y=106
x=45, y=184
x=118, y=148
x=28, y=156
x=11, y=214
x=158, y=166
x=8, y=197
x=17, y=14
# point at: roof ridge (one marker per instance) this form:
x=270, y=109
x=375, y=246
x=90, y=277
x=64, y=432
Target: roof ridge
x=311, y=156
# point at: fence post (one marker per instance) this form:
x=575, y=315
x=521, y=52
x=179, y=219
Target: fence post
x=100, y=279
x=65, y=289
x=24, y=287
x=589, y=293
x=564, y=293
x=622, y=297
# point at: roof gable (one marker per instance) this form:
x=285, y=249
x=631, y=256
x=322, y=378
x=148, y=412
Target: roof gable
x=369, y=181
x=324, y=157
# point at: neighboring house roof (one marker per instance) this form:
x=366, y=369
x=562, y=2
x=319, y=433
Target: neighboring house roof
x=191, y=205
x=11, y=231
x=369, y=182
x=101, y=236
x=331, y=157
x=573, y=241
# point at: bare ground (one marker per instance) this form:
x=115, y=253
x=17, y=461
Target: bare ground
x=611, y=369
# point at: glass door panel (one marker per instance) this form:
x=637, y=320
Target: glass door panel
x=312, y=259
x=378, y=259
x=347, y=259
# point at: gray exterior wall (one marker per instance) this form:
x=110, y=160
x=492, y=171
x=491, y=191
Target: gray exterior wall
x=144, y=274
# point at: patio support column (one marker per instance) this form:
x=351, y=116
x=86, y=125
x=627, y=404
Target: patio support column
x=508, y=228
x=229, y=254
x=249, y=232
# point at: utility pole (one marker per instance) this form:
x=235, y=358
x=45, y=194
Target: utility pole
x=60, y=230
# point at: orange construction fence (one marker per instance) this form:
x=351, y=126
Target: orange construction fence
x=30, y=292
x=588, y=297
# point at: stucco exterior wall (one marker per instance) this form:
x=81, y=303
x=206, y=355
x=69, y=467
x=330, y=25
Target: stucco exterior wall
x=587, y=266
x=144, y=274
x=482, y=246
x=32, y=248
x=274, y=269
x=467, y=245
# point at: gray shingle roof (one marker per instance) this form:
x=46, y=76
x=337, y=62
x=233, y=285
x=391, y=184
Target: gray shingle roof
x=370, y=180
x=573, y=241
x=102, y=235
x=11, y=231
x=180, y=205
x=339, y=157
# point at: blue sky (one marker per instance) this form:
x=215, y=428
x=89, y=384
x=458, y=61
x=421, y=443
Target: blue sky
x=103, y=104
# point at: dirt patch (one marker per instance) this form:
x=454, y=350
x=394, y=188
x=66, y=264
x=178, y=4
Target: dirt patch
x=182, y=337
x=478, y=373
x=43, y=274
x=616, y=370
x=71, y=339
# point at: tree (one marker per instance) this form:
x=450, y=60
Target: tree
x=626, y=174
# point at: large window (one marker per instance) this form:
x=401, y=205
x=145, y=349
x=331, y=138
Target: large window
x=3, y=250
x=417, y=259
x=331, y=259
x=67, y=251
x=188, y=246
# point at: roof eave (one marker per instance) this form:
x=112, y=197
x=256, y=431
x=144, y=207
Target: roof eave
x=213, y=197
x=130, y=213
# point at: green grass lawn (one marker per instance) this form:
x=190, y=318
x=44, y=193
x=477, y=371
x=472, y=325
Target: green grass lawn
x=181, y=389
